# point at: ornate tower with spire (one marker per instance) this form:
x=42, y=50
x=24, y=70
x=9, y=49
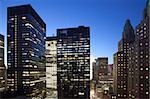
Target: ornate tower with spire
x=122, y=63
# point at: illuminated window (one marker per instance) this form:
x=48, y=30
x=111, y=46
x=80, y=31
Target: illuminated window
x=23, y=17
x=141, y=84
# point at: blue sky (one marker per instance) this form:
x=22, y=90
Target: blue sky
x=106, y=19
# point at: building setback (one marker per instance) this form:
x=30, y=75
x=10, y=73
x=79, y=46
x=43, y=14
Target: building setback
x=73, y=63
x=51, y=66
x=26, y=33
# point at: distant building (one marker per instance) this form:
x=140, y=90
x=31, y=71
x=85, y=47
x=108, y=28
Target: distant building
x=73, y=63
x=103, y=78
x=104, y=87
x=51, y=66
x=110, y=69
x=26, y=33
x=100, y=67
x=95, y=71
x=115, y=66
x=102, y=63
x=2, y=66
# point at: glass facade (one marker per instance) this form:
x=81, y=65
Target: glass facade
x=26, y=33
x=73, y=63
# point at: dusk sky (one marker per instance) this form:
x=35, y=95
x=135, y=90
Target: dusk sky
x=105, y=18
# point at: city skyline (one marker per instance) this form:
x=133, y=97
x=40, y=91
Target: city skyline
x=99, y=49
x=98, y=16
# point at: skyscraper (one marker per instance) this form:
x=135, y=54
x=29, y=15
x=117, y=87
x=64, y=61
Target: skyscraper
x=122, y=60
x=51, y=66
x=143, y=55
x=2, y=66
x=73, y=63
x=26, y=33
x=135, y=61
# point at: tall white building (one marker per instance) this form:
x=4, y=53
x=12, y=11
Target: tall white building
x=51, y=66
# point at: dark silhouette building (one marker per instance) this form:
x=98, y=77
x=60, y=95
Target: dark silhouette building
x=26, y=33
x=73, y=63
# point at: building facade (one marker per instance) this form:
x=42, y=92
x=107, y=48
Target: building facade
x=115, y=62
x=142, y=48
x=102, y=63
x=121, y=59
x=110, y=69
x=95, y=71
x=26, y=33
x=51, y=66
x=100, y=67
x=135, y=61
x=2, y=66
x=73, y=63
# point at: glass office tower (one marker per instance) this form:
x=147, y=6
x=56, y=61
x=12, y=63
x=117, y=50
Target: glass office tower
x=73, y=63
x=26, y=33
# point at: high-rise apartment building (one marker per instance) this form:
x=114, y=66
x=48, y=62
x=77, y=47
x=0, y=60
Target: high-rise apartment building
x=26, y=33
x=51, y=66
x=2, y=66
x=73, y=63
